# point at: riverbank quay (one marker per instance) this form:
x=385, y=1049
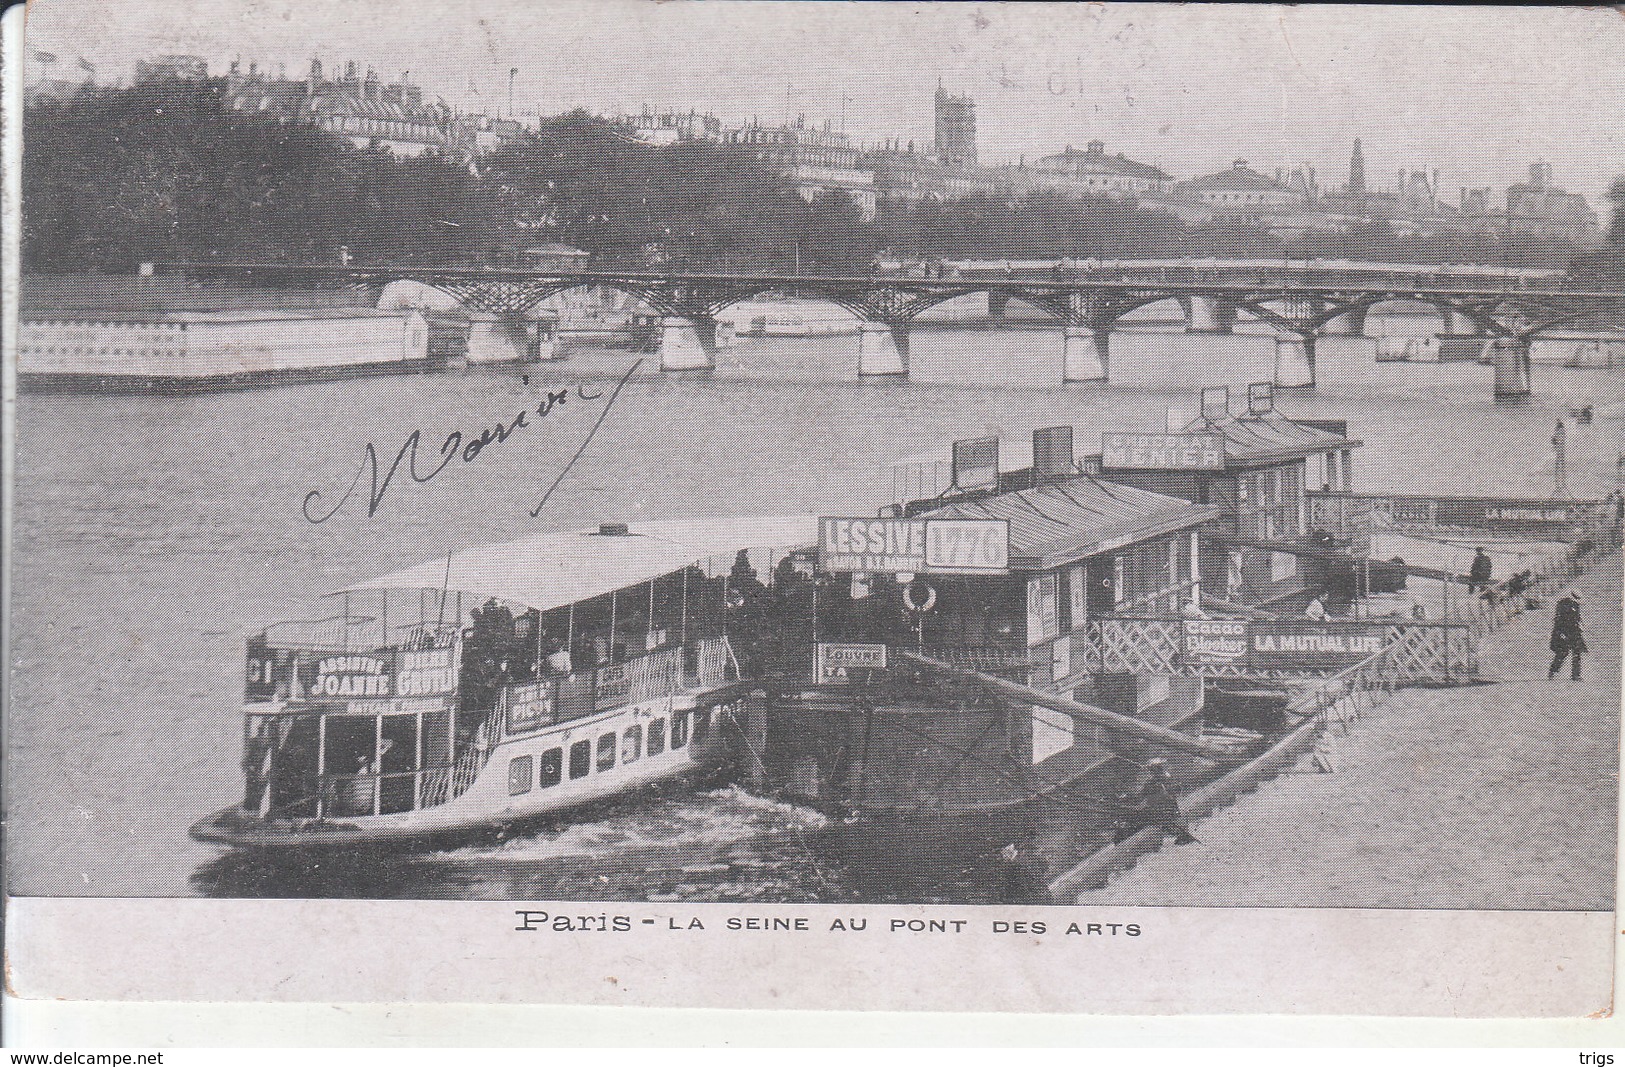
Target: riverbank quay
x=1496, y=796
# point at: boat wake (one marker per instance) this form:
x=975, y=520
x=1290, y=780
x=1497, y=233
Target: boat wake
x=723, y=844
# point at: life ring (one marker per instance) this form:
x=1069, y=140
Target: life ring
x=923, y=607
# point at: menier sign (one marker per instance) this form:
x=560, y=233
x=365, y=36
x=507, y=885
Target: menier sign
x=913, y=546
x=1162, y=451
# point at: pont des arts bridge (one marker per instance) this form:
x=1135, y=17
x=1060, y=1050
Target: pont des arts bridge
x=1300, y=306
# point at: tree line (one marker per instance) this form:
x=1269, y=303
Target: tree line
x=114, y=177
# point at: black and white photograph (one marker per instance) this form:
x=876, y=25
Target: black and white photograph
x=1002, y=464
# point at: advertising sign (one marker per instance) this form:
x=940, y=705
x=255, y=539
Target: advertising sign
x=913, y=546
x=976, y=463
x=1216, y=642
x=530, y=707
x=844, y=664
x=1162, y=451
x=1053, y=455
x=1315, y=646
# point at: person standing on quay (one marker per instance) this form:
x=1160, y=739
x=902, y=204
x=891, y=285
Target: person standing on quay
x=1568, y=639
x=1478, y=577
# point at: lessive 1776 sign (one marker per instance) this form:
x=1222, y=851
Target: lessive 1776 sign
x=914, y=546
x=1162, y=451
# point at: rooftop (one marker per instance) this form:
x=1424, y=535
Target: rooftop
x=1259, y=439
x=1053, y=525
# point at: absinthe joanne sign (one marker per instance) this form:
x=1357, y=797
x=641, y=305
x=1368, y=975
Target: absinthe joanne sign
x=914, y=546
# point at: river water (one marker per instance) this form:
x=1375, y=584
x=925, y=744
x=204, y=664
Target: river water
x=151, y=532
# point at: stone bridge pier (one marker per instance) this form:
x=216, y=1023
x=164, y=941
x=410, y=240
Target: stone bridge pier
x=1350, y=323
x=1510, y=357
x=688, y=343
x=1085, y=353
x=882, y=350
x=1209, y=314
x=1295, y=361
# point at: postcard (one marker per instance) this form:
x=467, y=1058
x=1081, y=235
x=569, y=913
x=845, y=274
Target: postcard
x=1100, y=509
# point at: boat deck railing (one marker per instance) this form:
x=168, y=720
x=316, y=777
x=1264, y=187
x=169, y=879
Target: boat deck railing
x=701, y=664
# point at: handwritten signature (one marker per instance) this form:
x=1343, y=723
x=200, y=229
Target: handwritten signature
x=466, y=447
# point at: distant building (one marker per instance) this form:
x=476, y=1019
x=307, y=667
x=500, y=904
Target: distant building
x=669, y=127
x=1242, y=192
x=1539, y=207
x=171, y=68
x=956, y=129
x=1099, y=174
x=817, y=160
x=364, y=110
x=48, y=78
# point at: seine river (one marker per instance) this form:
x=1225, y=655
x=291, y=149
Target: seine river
x=151, y=533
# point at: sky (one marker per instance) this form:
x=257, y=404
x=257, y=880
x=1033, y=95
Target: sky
x=1476, y=92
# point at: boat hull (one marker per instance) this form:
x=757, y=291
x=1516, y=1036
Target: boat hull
x=497, y=798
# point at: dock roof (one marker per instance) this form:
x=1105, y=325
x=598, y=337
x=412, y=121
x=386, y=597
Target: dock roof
x=550, y=570
x=1060, y=523
x=1259, y=440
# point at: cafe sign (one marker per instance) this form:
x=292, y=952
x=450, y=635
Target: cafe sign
x=913, y=546
x=1162, y=451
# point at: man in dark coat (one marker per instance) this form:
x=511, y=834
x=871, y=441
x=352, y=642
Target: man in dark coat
x=1478, y=577
x=1154, y=805
x=1567, y=637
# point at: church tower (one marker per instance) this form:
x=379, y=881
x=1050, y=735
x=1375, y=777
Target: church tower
x=956, y=128
x=1357, y=169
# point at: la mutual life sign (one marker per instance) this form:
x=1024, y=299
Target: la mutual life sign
x=913, y=546
x=1283, y=645
x=1162, y=451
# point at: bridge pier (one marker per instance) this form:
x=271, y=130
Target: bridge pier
x=1209, y=314
x=1295, y=361
x=688, y=344
x=882, y=350
x=1348, y=324
x=1085, y=354
x=1458, y=323
x=496, y=338
x=1510, y=356
x=996, y=303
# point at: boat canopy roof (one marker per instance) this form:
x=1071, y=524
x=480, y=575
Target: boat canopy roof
x=552, y=570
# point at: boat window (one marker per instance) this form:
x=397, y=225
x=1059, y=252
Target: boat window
x=518, y=776
x=702, y=724
x=679, y=729
x=606, y=751
x=657, y=737
x=631, y=744
x=580, y=759
x=552, y=768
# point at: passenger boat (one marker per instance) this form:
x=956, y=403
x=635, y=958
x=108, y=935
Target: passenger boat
x=498, y=684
